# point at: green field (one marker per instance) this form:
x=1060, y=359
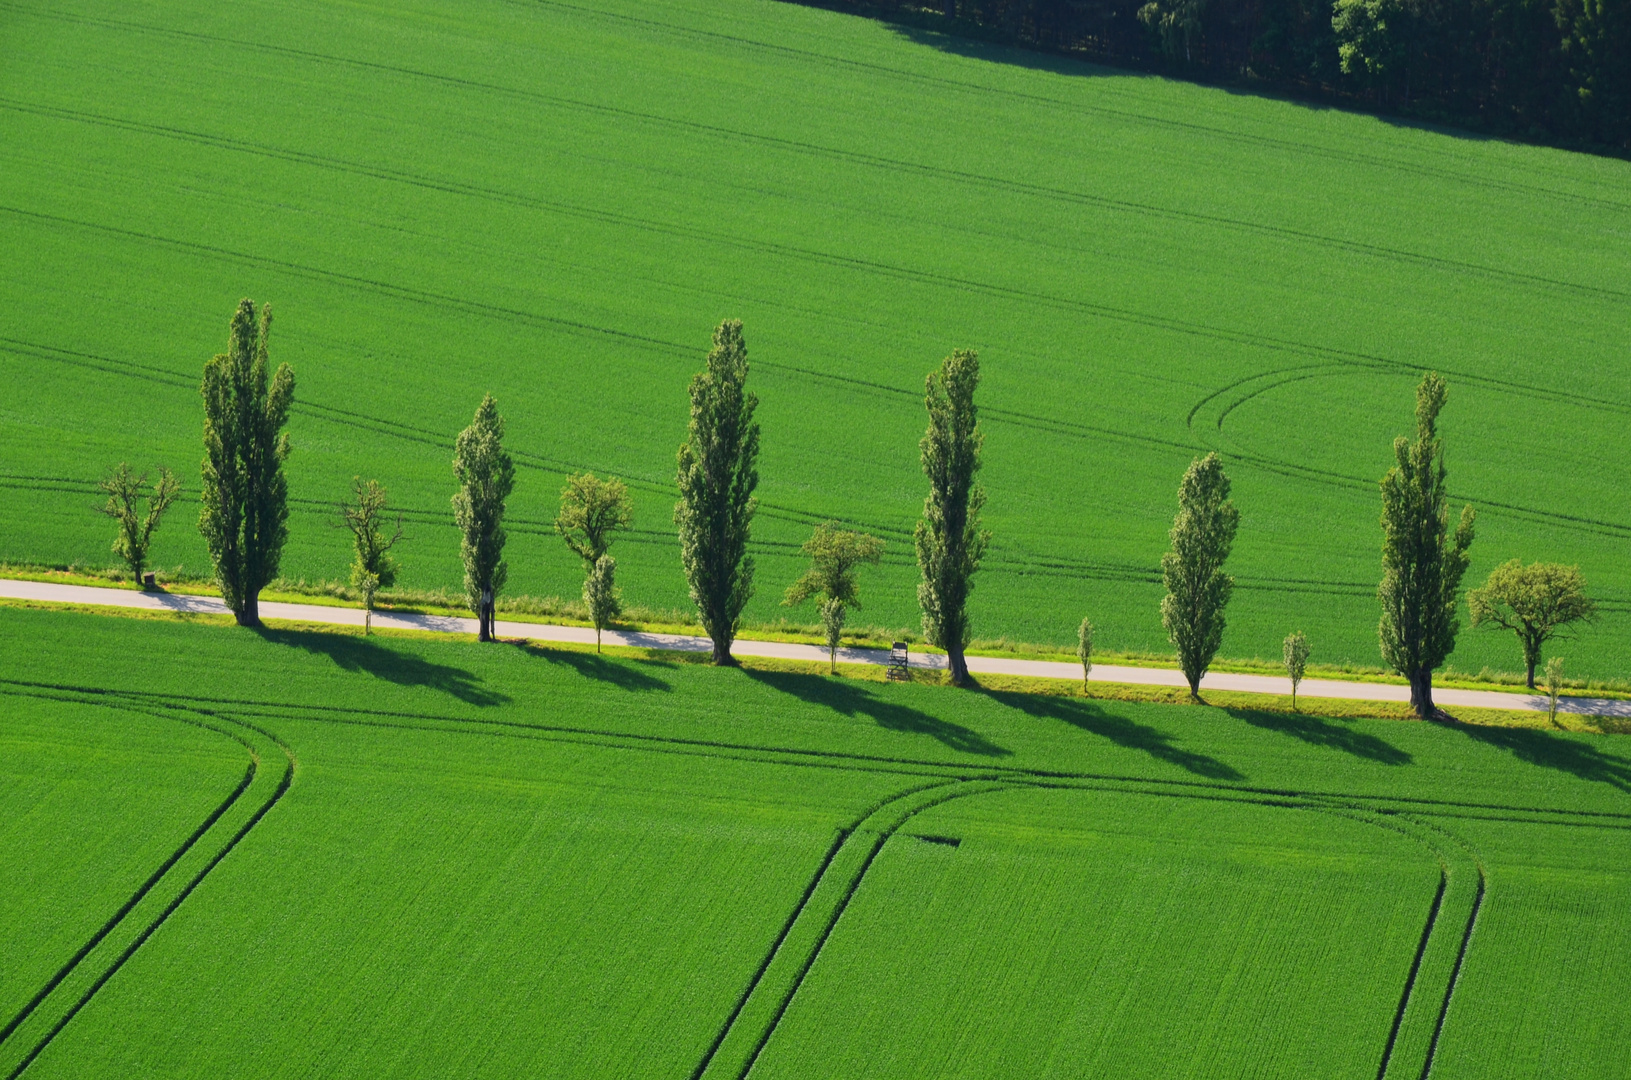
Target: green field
x=558, y=201
x=452, y=860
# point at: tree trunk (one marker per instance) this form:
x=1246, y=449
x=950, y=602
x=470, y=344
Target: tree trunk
x=1421, y=694
x=1194, y=685
x=722, y=654
x=251, y=613
x=484, y=616
x=1530, y=664
x=597, y=639
x=367, y=621
x=959, y=668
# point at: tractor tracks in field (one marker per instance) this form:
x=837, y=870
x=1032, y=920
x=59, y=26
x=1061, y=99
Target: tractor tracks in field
x=486, y=193
x=73, y=986
x=1424, y=1005
x=764, y=1000
x=1221, y=402
x=965, y=769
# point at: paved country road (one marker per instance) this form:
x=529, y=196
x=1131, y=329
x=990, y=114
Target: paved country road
x=1109, y=673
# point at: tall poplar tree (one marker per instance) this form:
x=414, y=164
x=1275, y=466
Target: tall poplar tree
x=486, y=477
x=718, y=470
x=1197, y=588
x=949, y=539
x=1422, y=561
x=245, y=501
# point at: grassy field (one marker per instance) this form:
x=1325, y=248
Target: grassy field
x=556, y=202
x=91, y=804
x=463, y=860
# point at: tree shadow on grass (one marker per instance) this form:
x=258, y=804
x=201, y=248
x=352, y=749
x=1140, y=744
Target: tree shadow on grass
x=853, y=699
x=619, y=673
x=361, y=654
x=1320, y=732
x=1090, y=716
x=1555, y=751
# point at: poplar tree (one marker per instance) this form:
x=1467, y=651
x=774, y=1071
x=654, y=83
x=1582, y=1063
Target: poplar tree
x=601, y=595
x=1084, y=650
x=949, y=539
x=1422, y=561
x=1296, y=652
x=486, y=477
x=245, y=501
x=1197, y=588
x=718, y=470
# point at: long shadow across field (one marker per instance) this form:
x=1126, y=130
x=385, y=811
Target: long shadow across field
x=1555, y=751
x=1327, y=733
x=1090, y=716
x=622, y=674
x=359, y=654
x=852, y=699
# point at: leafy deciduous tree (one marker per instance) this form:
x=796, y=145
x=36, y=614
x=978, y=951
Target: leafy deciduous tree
x=136, y=529
x=1422, y=561
x=718, y=470
x=486, y=477
x=1197, y=588
x=834, y=553
x=372, y=567
x=949, y=539
x=245, y=501
x=1534, y=602
x=1296, y=658
x=1176, y=22
x=592, y=510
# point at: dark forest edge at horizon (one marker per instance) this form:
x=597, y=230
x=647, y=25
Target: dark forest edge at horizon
x=1549, y=71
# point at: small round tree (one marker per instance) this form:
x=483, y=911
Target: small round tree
x=1534, y=602
x=834, y=552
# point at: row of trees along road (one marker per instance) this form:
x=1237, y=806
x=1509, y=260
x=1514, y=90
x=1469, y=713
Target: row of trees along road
x=244, y=515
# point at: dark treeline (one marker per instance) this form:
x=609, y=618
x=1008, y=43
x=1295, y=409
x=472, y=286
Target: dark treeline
x=1546, y=70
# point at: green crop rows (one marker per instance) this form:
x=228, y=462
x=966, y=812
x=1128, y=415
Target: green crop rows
x=498, y=861
x=557, y=202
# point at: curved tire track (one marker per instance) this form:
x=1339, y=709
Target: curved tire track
x=78, y=983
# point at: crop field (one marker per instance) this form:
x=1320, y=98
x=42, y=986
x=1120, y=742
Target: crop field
x=558, y=201
x=394, y=856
